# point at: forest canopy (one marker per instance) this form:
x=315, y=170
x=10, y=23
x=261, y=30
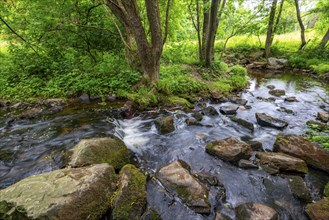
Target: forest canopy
x=57, y=48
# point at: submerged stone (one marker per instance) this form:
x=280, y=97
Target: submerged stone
x=299, y=189
x=176, y=177
x=277, y=92
x=247, y=164
x=268, y=121
x=72, y=193
x=290, y=99
x=165, y=125
x=129, y=200
x=283, y=161
x=210, y=111
x=243, y=123
x=100, y=150
x=229, y=149
x=255, y=211
x=299, y=147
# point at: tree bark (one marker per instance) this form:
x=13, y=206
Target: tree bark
x=324, y=40
x=269, y=34
x=149, y=52
x=301, y=25
x=213, y=24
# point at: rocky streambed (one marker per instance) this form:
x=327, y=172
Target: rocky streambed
x=237, y=157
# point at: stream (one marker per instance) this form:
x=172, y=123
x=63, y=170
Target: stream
x=34, y=146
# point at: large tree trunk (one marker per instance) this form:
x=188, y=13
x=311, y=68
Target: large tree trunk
x=301, y=25
x=205, y=30
x=269, y=34
x=324, y=40
x=149, y=53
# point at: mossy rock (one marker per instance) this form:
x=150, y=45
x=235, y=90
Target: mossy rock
x=165, y=125
x=129, y=201
x=318, y=210
x=179, y=101
x=71, y=193
x=326, y=190
x=100, y=150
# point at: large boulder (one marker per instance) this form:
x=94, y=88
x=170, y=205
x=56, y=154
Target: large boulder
x=255, y=211
x=210, y=111
x=177, y=178
x=299, y=147
x=165, y=125
x=318, y=210
x=283, y=161
x=72, y=193
x=229, y=149
x=268, y=121
x=129, y=200
x=100, y=150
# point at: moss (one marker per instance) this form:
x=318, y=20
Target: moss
x=326, y=190
x=165, y=125
x=8, y=211
x=179, y=101
x=184, y=193
x=129, y=200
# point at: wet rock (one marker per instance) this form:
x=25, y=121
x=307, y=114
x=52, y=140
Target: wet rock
x=270, y=169
x=323, y=116
x=257, y=65
x=165, y=125
x=288, y=111
x=283, y=161
x=255, y=211
x=53, y=102
x=326, y=190
x=299, y=189
x=176, y=177
x=299, y=147
x=290, y=99
x=19, y=105
x=208, y=179
x=318, y=210
x=243, y=123
x=229, y=109
x=247, y=164
x=255, y=145
x=192, y=121
x=210, y=111
x=229, y=149
x=270, y=99
x=85, y=98
x=129, y=200
x=270, y=87
x=197, y=115
x=100, y=150
x=268, y=121
x=221, y=216
x=277, y=92
x=320, y=126
x=238, y=100
x=31, y=113
x=72, y=193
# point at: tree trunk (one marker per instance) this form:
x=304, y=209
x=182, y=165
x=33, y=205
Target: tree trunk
x=205, y=29
x=213, y=24
x=149, y=53
x=301, y=25
x=269, y=34
x=324, y=40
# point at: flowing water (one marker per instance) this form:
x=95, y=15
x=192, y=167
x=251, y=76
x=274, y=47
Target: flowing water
x=37, y=145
